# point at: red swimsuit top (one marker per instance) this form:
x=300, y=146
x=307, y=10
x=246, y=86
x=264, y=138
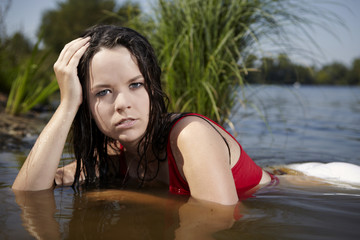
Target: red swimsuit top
x=246, y=173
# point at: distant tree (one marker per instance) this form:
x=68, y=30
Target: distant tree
x=19, y=46
x=305, y=74
x=285, y=71
x=72, y=17
x=13, y=52
x=333, y=74
x=353, y=76
x=281, y=70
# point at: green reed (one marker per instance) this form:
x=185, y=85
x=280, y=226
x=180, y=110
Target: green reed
x=198, y=45
x=203, y=47
x=30, y=88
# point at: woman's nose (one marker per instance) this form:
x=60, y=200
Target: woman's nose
x=122, y=102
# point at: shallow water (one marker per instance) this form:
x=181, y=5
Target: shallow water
x=306, y=124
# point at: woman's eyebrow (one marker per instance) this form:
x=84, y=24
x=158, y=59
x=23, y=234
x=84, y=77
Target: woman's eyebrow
x=101, y=85
x=106, y=85
x=135, y=78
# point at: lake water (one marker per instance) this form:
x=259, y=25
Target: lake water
x=279, y=126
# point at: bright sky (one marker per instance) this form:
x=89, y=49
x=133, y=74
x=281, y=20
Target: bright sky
x=25, y=16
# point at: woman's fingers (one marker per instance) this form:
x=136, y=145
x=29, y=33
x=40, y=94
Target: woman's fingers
x=65, y=49
x=71, y=54
x=71, y=48
x=75, y=58
x=72, y=51
x=66, y=70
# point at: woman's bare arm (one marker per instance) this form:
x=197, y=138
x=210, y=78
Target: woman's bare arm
x=39, y=169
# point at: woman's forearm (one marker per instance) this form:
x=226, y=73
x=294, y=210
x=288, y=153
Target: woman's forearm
x=39, y=169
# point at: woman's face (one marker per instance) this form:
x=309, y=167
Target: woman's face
x=118, y=99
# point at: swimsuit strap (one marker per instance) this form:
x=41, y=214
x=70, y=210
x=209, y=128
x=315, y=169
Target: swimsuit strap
x=211, y=123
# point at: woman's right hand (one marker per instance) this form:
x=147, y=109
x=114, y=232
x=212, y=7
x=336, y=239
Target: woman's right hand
x=66, y=71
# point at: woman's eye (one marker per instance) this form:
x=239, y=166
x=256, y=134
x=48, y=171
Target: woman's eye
x=136, y=85
x=103, y=93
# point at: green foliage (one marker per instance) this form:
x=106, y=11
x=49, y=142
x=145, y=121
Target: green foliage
x=198, y=44
x=204, y=46
x=333, y=74
x=338, y=74
x=29, y=88
x=72, y=17
x=13, y=51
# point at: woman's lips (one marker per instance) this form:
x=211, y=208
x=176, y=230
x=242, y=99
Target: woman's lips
x=126, y=123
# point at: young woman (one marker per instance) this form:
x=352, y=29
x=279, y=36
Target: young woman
x=112, y=101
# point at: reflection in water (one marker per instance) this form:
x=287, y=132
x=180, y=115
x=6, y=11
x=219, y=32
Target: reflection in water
x=200, y=220
x=115, y=214
x=38, y=209
x=285, y=211
x=112, y=214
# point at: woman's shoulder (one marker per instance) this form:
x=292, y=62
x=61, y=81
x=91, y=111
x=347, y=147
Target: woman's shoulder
x=191, y=129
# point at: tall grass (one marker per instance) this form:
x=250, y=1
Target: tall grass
x=202, y=46
x=29, y=88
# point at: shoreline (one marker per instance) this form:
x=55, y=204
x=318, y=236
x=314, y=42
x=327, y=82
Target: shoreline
x=18, y=132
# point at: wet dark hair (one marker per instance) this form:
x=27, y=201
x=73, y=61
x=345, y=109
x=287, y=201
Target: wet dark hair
x=89, y=143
